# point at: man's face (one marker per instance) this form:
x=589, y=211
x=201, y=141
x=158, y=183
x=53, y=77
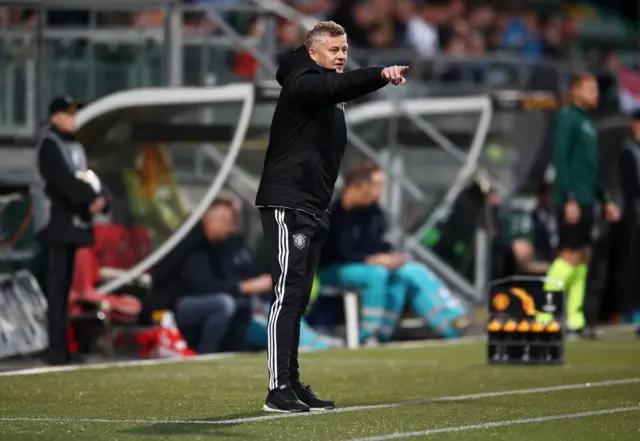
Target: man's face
x=378, y=181
x=65, y=121
x=219, y=223
x=587, y=93
x=361, y=193
x=331, y=53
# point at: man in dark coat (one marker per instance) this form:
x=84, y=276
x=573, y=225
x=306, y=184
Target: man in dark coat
x=66, y=196
x=205, y=284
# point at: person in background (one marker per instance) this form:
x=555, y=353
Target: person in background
x=577, y=189
x=66, y=195
x=358, y=256
x=531, y=236
x=629, y=167
x=205, y=283
x=409, y=282
x=246, y=268
x=523, y=35
x=344, y=260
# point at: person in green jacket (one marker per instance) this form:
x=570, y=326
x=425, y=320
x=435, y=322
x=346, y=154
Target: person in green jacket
x=577, y=189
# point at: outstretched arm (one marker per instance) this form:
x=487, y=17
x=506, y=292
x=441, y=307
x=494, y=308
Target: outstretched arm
x=313, y=87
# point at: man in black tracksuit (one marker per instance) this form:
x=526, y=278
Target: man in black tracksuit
x=66, y=196
x=306, y=145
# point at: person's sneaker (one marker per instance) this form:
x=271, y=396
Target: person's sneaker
x=306, y=395
x=590, y=333
x=586, y=333
x=284, y=399
x=371, y=342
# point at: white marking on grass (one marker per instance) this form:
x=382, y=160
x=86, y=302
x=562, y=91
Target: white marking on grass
x=441, y=430
x=112, y=364
x=415, y=344
x=209, y=357
x=256, y=419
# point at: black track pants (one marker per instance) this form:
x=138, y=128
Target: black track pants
x=293, y=241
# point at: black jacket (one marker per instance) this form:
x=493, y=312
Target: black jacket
x=308, y=132
x=376, y=228
x=62, y=199
x=354, y=235
x=199, y=267
x=630, y=180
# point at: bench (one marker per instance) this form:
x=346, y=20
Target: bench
x=351, y=312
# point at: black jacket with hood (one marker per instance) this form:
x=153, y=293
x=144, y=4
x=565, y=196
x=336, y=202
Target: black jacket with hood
x=308, y=132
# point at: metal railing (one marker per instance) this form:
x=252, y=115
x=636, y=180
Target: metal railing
x=96, y=59
x=184, y=45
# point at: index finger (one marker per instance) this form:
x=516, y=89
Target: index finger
x=403, y=68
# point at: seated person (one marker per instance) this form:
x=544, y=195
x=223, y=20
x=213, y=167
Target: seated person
x=344, y=260
x=247, y=269
x=202, y=283
x=409, y=281
x=356, y=255
x=529, y=237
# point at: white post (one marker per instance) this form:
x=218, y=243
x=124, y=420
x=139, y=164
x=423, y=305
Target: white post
x=351, y=319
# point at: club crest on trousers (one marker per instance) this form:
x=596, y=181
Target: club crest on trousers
x=299, y=240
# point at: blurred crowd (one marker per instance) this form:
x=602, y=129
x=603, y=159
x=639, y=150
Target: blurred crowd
x=453, y=27
x=439, y=38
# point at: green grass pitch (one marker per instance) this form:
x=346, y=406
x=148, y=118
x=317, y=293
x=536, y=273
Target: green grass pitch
x=435, y=392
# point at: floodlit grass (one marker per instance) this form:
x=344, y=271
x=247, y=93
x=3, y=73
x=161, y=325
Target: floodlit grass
x=442, y=389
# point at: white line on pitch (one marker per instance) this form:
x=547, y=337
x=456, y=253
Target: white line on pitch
x=568, y=416
x=342, y=409
x=209, y=357
x=396, y=345
x=112, y=364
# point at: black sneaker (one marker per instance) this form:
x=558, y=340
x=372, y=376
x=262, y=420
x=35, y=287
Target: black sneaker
x=305, y=395
x=284, y=399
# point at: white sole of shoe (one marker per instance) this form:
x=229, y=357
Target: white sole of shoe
x=271, y=409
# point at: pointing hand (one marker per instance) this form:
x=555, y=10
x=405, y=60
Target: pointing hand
x=394, y=74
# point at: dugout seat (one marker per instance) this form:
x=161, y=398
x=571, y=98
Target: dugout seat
x=87, y=305
x=139, y=242
x=117, y=307
x=351, y=312
x=113, y=246
x=119, y=248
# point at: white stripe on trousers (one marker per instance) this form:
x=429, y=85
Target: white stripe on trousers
x=279, y=291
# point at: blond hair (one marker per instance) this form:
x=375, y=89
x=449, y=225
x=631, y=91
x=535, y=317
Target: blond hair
x=322, y=30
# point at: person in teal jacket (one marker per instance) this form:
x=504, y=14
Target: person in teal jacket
x=577, y=189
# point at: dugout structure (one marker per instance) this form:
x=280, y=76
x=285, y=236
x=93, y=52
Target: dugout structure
x=158, y=115
x=117, y=122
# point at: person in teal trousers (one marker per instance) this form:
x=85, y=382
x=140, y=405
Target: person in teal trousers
x=357, y=256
